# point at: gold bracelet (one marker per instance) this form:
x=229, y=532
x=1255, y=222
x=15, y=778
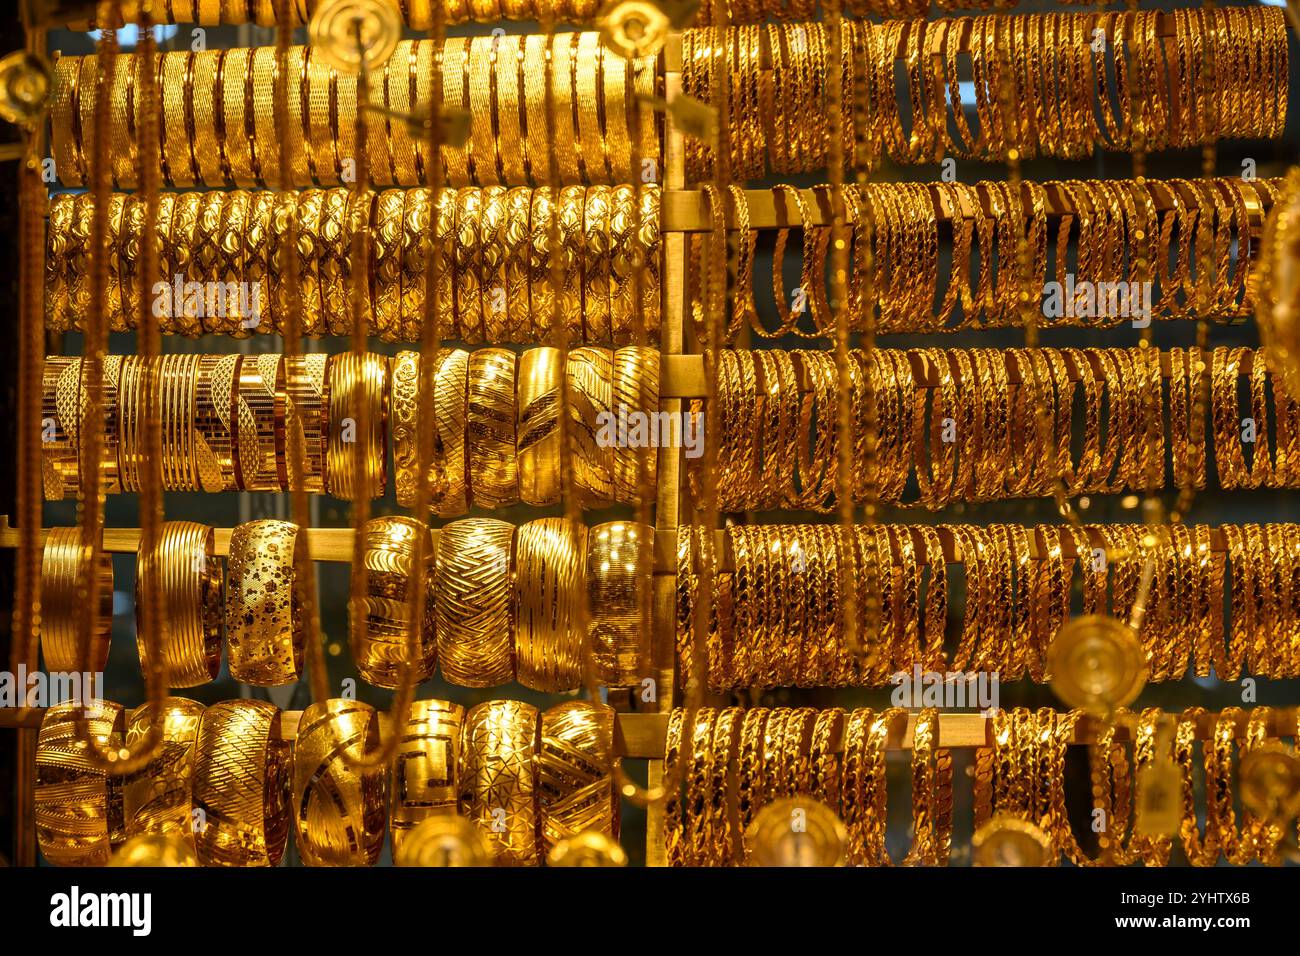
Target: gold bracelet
x=205, y=69
x=467, y=259
x=455, y=97
x=623, y=227
x=616, y=81
x=258, y=249
x=549, y=565
x=447, y=470
x=537, y=428
x=569, y=212
x=516, y=238
x=636, y=400
x=259, y=414
x=592, y=154
x=379, y=648
x=235, y=121
x=335, y=246
x=182, y=312
x=590, y=384
x=260, y=122
x=413, y=253
x=156, y=799
x=493, y=469
x=473, y=607
x=498, y=783
x=65, y=143
x=265, y=627
x=354, y=382
x=60, y=426
x=427, y=768
x=562, y=124
x=485, y=162
x=492, y=278
x=443, y=280
x=78, y=814
x=64, y=571
x=58, y=310
x=339, y=809
x=595, y=265
x=242, y=771
x=541, y=284
x=575, y=775
x=538, y=135
x=386, y=237
x=321, y=128
x=512, y=145
x=615, y=576
x=399, y=93
x=124, y=311
x=298, y=134
x=188, y=617
x=304, y=415
x=122, y=151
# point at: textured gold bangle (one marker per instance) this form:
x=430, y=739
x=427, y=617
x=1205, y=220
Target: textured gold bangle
x=311, y=204
x=321, y=127
x=183, y=312
x=233, y=307
x=174, y=386
x=569, y=212
x=427, y=767
x=591, y=385
x=473, y=602
x=129, y=243
x=447, y=469
x=205, y=263
x=623, y=225
x=205, y=70
x=156, y=798
x=188, y=617
x=60, y=427
x=235, y=119
x=493, y=469
x=379, y=649
x=259, y=417
x=304, y=412
x=87, y=94
x=537, y=132
x=339, y=808
x=537, y=426
x=399, y=91
x=455, y=96
x=122, y=150
x=616, y=113
x=112, y=286
x=498, y=786
x=492, y=277
x=335, y=246
x=265, y=629
x=378, y=158
x=298, y=135
x=595, y=269
x=563, y=128
x=575, y=777
x=413, y=254
x=242, y=771
x=78, y=809
x=467, y=258
x=512, y=145
x=636, y=403
x=615, y=572
x=352, y=381
x=64, y=570
x=549, y=568
x=58, y=311
x=256, y=310
x=516, y=238
x=651, y=253
x=264, y=136
x=541, y=285
x=445, y=252
x=485, y=164
x=77, y=261
x=593, y=157
x=65, y=145
x=386, y=236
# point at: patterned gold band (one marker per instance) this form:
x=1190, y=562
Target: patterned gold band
x=78, y=807
x=156, y=799
x=64, y=570
x=473, y=602
x=549, y=568
x=379, y=648
x=498, y=782
x=575, y=780
x=190, y=592
x=265, y=629
x=426, y=771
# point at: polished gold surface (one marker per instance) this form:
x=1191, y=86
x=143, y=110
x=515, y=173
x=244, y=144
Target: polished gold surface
x=550, y=561
x=425, y=781
x=64, y=568
x=78, y=810
x=575, y=780
x=156, y=800
x=265, y=629
x=191, y=588
x=380, y=646
x=474, y=610
x=499, y=783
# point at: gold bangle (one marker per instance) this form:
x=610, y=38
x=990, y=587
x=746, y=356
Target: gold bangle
x=445, y=251
x=447, y=469
x=379, y=649
x=335, y=246
x=124, y=311
x=562, y=125
x=205, y=263
x=455, y=97
x=265, y=627
x=492, y=277
x=473, y=607
x=121, y=130
x=234, y=309
x=516, y=238
x=615, y=575
x=386, y=237
x=636, y=400
x=575, y=775
x=78, y=814
x=339, y=808
x=617, y=111
x=242, y=771
x=467, y=258
x=541, y=285
x=311, y=204
x=569, y=212
x=512, y=145
x=493, y=469
x=590, y=384
x=77, y=261
x=179, y=167
x=595, y=265
x=537, y=130
x=65, y=145
x=427, y=767
x=58, y=311
x=64, y=570
x=485, y=163
x=321, y=128
x=399, y=93
x=624, y=225
x=205, y=69
x=304, y=414
x=297, y=136
x=413, y=254
x=190, y=591
x=259, y=411
x=498, y=783
x=258, y=251
x=348, y=107
x=537, y=426
x=593, y=156
x=264, y=138
x=182, y=314
x=352, y=381
x=235, y=121
x=549, y=565
x=173, y=386
x=60, y=426
x=156, y=798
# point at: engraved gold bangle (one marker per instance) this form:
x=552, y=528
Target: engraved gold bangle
x=473, y=602
x=190, y=585
x=265, y=628
x=498, y=785
x=537, y=427
x=467, y=258
x=575, y=778
x=492, y=278
x=455, y=97
x=569, y=212
x=623, y=226
x=182, y=316
x=549, y=568
x=156, y=798
x=64, y=570
x=236, y=123
x=427, y=767
x=595, y=269
x=334, y=243
x=352, y=381
x=58, y=310
x=617, y=113
x=493, y=469
x=304, y=412
x=413, y=253
x=78, y=806
x=340, y=812
x=113, y=311
x=593, y=156
x=485, y=164
x=257, y=241
x=205, y=69
x=242, y=772
x=537, y=132
x=444, y=260
x=591, y=386
x=563, y=128
x=65, y=144
x=379, y=649
x=259, y=416
x=398, y=93
x=512, y=146
x=541, y=287
x=636, y=401
x=322, y=128
x=386, y=238
x=516, y=238
x=60, y=426
x=619, y=645
x=447, y=470
x=265, y=136
x=297, y=136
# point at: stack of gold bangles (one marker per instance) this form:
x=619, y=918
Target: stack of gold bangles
x=780, y=113
x=732, y=763
x=492, y=247
x=780, y=599
x=416, y=14
x=496, y=82
x=962, y=425
x=940, y=257
x=232, y=780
